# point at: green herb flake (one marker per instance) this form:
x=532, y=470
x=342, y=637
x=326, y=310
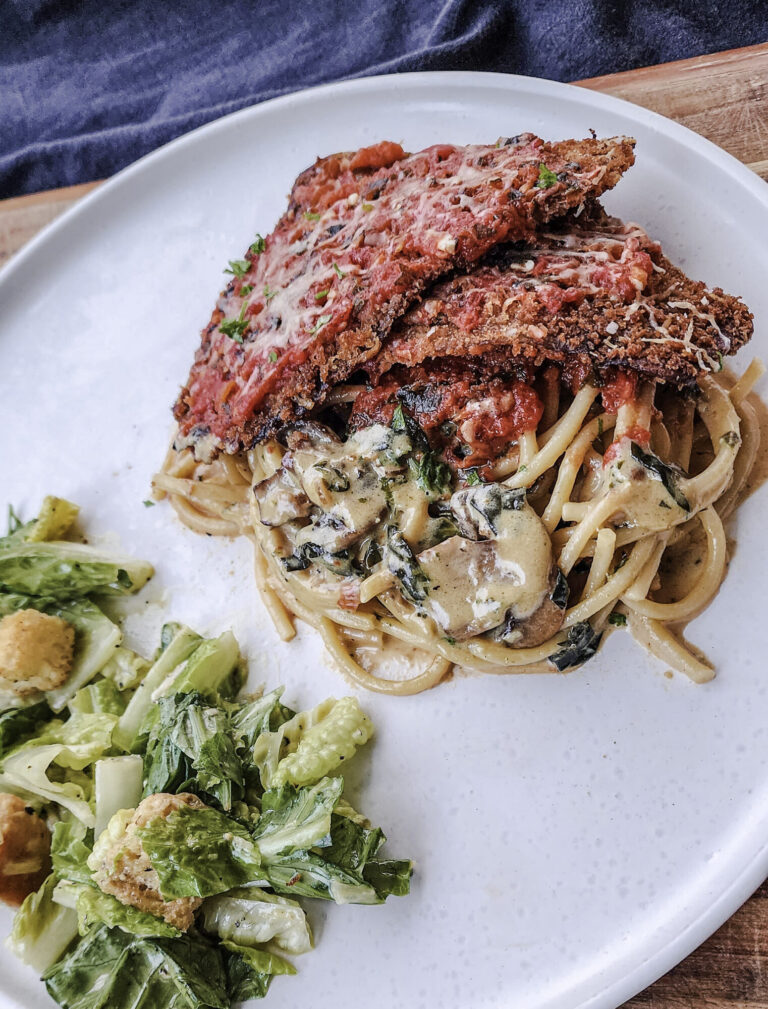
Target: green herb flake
x=269, y=294
x=257, y=245
x=338, y=271
x=235, y=328
x=546, y=178
x=272, y=356
x=472, y=478
x=367, y=207
x=321, y=295
x=451, y=641
x=245, y=290
x=721, y=361
x=149, y=503
x=311, y=216
x=238, y=267
x=322, y=321
x=617, y=619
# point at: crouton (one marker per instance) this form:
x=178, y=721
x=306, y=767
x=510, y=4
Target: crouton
x=25, y=850
x=120, y=865
x=36, y=651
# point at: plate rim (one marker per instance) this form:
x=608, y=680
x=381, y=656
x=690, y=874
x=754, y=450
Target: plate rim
x=607, y=992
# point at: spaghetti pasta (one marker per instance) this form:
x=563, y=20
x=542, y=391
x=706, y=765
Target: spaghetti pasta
x=608, y=509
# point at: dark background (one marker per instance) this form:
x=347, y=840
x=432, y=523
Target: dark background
x=87, y=88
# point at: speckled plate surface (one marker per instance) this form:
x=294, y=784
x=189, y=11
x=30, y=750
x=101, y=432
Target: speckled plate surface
x=574, y=836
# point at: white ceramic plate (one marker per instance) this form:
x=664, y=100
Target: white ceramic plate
x=574, y=836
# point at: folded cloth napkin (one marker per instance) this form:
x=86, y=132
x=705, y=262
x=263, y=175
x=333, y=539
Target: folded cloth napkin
x=87, y=88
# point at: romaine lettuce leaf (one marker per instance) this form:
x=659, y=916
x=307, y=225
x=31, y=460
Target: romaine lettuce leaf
x=94, y=907
x=42, y=929
x=99, y=697
x=71, y=844
x=67, y=570
x=263, y=714
x=126, y=668
x=18, y=724
x=213, y=669
x=110, y=969
x=177, y=644
x=352, y=844
x=307, y=874
x=54, y=519
x=252, y=917
x=294, y=819
x=200, y=852
x=249, y=971
x=28, y=770
x=389, y=876
x=312, y=744
x=96, y=638
x=190, y=748
x=353, y=848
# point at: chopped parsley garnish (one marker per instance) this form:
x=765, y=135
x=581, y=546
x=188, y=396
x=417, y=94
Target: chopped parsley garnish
x=322, y=321
x=367, y=207
x=311, y=216
x=257, y=245
x=238, y=267
x=546, y=178
x=321, y=295
x=245, y=290
x=269, y=294
x=272, y=355
x=338, y=271
x=234, y=328
x=721, y=359
x=451, y=641
x=472, y=478
x=617, y=619
x=149, y=504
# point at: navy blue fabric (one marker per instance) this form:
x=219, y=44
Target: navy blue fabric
x=88, y=87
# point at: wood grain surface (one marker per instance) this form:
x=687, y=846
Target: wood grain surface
x=724, y=97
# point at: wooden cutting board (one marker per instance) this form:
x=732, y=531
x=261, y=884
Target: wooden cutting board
x=724, y=97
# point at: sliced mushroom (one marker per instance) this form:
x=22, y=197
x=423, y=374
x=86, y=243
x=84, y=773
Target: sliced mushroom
x=502, y=576
x=281, y=498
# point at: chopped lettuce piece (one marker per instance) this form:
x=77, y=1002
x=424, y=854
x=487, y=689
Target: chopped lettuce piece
x=117, y=783
x=64, y=570
x=252, y=917
x=307, y=874
x=312, y=744
x=96, y=638
x=264, y=714
x=294, y=819
x=199, y=853
x=42, y=929
x=85, y=738
x=55, y=519
x=100, y=697
x=18, y=724
x=352, y=844
x=249, y=970
x=110, y=969
x=94, y=907
x=126, y=669
x=389, y=876
x=190, y=747
x=71, y=845
x=213, y=669
x=28, y=770
x=177, y=644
